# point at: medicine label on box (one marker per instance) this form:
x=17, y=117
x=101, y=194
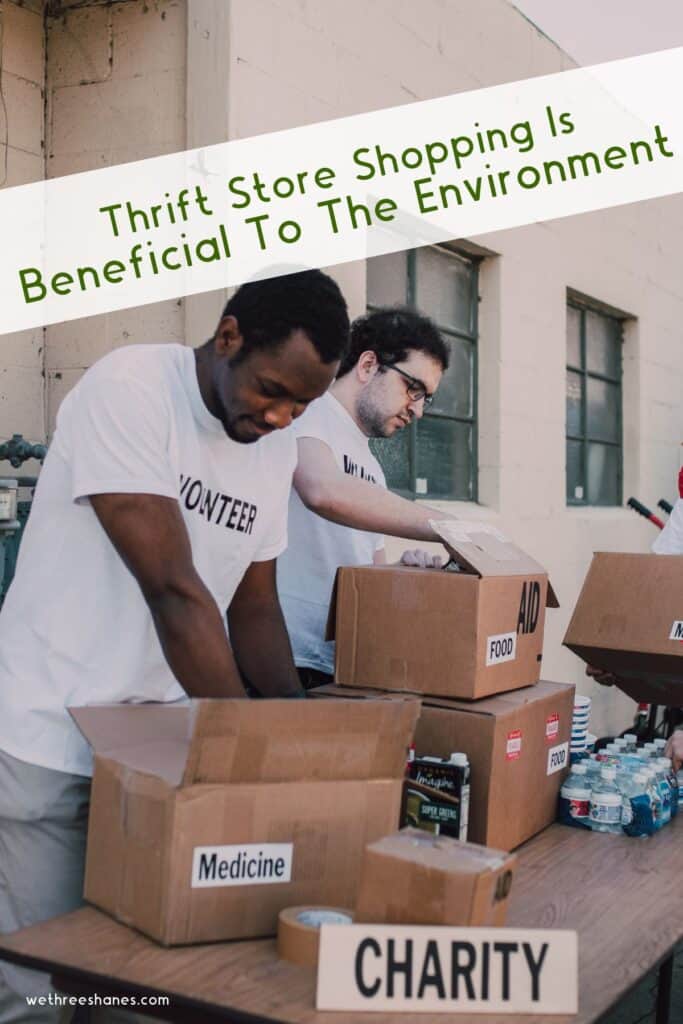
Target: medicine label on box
x=248, y=864
x=552, y=727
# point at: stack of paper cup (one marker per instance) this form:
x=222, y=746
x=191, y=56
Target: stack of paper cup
x=582, y=711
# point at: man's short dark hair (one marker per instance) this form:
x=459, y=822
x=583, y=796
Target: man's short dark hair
x=392, y=333
x=268, y=311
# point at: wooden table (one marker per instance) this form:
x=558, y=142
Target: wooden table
x=623, y=896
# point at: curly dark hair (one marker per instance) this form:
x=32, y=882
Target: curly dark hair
x=268, y=311
x=392, y=333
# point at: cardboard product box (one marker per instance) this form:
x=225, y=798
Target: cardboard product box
x=416, y=878
x=208, y=819
x=464, y=634
x=518, y=747
x=628, y=620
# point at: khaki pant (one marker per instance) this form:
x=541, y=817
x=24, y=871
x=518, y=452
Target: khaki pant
x=43, y=827
x=43, y=830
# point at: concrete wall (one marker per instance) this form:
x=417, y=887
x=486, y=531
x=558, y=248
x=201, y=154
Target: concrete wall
x=115, y=85
x=294, y=62
x=22, y=160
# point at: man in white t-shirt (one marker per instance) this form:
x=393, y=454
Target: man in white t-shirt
x=160, y=509
x=340, y=507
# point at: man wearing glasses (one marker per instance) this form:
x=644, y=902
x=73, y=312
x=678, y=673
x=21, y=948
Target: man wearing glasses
x=340, y=507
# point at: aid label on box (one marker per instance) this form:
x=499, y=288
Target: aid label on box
x=502, y=647
x=677, y=630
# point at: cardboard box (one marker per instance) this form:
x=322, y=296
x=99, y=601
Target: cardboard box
x=415, y=878
x=628, y=620
x=463, y=634
x=189, y=804
x=518, y=747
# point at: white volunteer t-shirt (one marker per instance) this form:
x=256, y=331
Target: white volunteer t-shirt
x=317, y=547
x=670, y=540
x=75, y=628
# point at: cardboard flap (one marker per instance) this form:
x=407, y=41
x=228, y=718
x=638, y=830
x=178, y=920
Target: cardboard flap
x=112, y=728
x=484, y=550
x=291, y=740
x=331, y=625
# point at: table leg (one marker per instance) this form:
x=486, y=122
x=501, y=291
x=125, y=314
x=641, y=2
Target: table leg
x=664, y=980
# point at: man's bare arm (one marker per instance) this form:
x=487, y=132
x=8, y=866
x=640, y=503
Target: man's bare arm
x=149, y=534
x=259, y=636
x=345, y=499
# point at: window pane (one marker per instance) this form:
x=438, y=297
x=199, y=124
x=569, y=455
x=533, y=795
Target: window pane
x=603, y=475
x=573, y=337
x=394, y=456
x=603, y=344
x=387, y=279
x=602, y=410
x=456, y=390
x=444, y=458
x=445, y=288
x=575, y=486
x=574, y=396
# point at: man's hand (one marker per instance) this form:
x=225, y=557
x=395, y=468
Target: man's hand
x=149, y=534
x=421, y=559
x=674, y=749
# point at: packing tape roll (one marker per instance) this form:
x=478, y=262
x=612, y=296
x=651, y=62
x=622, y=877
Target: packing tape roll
x=298, y=931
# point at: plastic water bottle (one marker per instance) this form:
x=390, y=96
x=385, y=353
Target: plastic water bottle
x=679, y=779
x=631, y=742
x=637, y=818
x=667, y=771
x=575, y=798
x=660, y=744
x=655, y=797
x=664, y=789
x=605, y=809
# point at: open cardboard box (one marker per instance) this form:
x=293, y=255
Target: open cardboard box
x=517, y=744
x=628, y=621
x=208, y=819
x=465, y=634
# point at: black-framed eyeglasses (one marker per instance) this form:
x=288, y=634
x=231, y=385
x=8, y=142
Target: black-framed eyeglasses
x=417, y=392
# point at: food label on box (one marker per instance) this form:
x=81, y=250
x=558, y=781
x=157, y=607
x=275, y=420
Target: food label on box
x=246, y=864
x=558, y=758
x=513, y=747
x=502, y=647
x=552, y=727
x=677, y=630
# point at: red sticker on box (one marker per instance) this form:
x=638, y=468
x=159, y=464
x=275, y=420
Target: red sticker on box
x=552, y=727
x=513, y=747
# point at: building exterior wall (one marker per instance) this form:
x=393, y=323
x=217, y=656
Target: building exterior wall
x=294, y=63
x=115, y=87
x=129, y=79
x=22, y=160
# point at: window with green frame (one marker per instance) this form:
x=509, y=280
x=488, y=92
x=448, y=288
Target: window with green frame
x=594, y=406
x=436, y=456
